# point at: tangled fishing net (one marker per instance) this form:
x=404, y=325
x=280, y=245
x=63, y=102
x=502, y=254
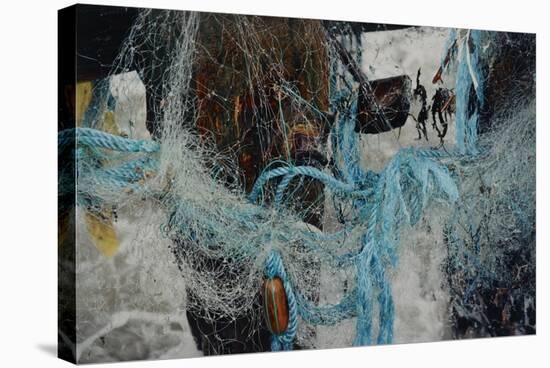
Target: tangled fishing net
x=186, y=189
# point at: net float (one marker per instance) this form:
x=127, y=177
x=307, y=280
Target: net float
x=275, y=306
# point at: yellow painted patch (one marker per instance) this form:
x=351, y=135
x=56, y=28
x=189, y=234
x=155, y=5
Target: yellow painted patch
x=102, y=233
x=109, y=124
x=99, y=226
x=83, y=98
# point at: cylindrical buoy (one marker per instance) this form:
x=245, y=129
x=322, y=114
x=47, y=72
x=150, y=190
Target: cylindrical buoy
x=275, y=306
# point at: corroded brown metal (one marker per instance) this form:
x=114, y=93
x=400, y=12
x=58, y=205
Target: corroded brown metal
x=242, y=64
x=275, y=305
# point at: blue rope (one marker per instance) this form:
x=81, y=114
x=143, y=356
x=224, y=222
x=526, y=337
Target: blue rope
x=98, y=139
x=309, y=171
x=469, y=77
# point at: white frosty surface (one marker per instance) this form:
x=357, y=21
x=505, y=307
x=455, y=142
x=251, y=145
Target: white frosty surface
x=130, y=109
x=134, y=300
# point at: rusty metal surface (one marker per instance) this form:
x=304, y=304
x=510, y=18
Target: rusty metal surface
x=243, y=63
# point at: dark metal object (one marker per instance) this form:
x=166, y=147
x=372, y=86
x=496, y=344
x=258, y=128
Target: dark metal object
x=384, y=103
x=392, y=99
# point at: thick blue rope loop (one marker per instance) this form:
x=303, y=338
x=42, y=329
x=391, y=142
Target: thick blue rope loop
x=96, y=138
x=282, y=186
x=309, y=171
x=274, y=268
x=121, y=177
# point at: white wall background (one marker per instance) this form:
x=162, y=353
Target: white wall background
x=28, y=282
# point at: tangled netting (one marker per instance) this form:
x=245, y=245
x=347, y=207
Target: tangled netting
x=486, y=184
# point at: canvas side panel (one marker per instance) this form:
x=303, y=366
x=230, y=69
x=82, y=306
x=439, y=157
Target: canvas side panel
x=66, y=184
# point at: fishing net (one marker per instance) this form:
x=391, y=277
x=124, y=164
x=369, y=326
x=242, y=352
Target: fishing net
x=225, y=183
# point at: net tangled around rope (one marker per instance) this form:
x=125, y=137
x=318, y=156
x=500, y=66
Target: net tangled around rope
x=255, y=237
